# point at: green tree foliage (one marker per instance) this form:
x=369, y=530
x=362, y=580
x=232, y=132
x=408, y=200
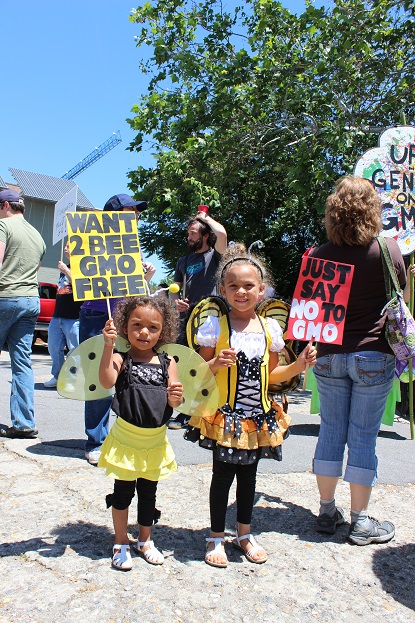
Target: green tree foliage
x=256, y=112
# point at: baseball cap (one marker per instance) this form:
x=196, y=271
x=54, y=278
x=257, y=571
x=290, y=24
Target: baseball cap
x=10, y=196
x=118, y=202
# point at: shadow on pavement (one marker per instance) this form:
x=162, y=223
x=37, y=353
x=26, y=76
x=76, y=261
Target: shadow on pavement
x=298, y=397
x=41, y=387
x=391, y=435
x=312, y=430
x=59, y=447
x=288, y=518
x=307, y=430
x=185, y=544
x=95, y=542
x=395, y=568
x=274, y=514
x=86, y=539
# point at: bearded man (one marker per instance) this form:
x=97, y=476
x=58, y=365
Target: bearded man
x=195, y=272
x=195, y=275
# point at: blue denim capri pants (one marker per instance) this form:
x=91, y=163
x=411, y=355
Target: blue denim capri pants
x=353, y=389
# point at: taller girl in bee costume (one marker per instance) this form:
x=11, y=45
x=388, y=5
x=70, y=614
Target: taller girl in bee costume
x=241, y=349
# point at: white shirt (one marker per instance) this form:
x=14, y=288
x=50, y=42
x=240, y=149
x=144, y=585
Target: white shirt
x=252, y=344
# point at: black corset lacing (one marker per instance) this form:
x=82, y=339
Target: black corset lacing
x=249, y=370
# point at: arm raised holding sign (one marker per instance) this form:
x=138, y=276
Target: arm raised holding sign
x=110, y=270
x=111, y=362
x=146, y=390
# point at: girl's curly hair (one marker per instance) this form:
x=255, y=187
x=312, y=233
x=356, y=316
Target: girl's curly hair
x=235, y=256
x=353, y=213
x=169, y=314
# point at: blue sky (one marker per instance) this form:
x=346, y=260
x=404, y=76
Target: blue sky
x=70, y=76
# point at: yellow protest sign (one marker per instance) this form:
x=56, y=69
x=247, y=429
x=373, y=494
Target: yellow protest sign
x=105, y=255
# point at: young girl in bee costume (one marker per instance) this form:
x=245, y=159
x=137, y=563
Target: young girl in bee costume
x=136, y=452
x=241, y=349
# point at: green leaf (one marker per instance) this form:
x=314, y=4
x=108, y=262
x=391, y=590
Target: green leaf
x=257, y=111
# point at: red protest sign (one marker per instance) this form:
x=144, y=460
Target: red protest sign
x=319, y=305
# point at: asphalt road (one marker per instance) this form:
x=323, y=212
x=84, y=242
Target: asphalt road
x=60, y=422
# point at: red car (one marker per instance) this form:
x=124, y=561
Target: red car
x=47, y=295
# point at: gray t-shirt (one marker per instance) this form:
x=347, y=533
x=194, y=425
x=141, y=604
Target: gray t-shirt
x=200, y=270
x=24, y=251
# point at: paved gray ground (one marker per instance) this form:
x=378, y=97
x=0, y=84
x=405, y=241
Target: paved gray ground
x=61, y=423
x=56, y=535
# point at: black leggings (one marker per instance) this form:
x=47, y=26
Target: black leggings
x=146, y=498
x=223, y=475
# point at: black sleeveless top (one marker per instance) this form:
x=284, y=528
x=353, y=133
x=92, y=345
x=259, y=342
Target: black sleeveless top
x=141, y=392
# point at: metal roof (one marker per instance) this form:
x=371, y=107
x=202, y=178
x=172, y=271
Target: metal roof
x=39, y=186
x=2, y=183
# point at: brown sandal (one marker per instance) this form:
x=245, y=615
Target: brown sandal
x=251, y=551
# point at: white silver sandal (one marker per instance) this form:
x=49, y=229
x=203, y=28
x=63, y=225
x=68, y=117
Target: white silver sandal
x=121, y=558
x=219, y=542
x=150, y=555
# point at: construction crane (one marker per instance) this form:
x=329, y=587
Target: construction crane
x=94, y=156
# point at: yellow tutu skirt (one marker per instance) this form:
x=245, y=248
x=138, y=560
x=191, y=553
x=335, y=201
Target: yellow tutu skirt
x=213, y=427
x=130, y=452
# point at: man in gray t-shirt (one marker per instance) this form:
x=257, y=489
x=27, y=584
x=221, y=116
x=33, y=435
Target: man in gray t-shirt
x=195, y=272
x=21, y=251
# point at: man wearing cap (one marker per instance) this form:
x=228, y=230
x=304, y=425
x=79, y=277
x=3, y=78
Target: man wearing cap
x=21, y=251
x=93, y=316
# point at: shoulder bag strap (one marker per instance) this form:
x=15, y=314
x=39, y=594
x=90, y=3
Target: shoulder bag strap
x=208, y=259
x=164, y=360
x=389, y=270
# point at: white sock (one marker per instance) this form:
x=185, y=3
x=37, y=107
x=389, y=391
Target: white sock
x=360, y=517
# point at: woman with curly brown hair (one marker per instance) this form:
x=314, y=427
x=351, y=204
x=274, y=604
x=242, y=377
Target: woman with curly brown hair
x=354, y=378
x=136, y=452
